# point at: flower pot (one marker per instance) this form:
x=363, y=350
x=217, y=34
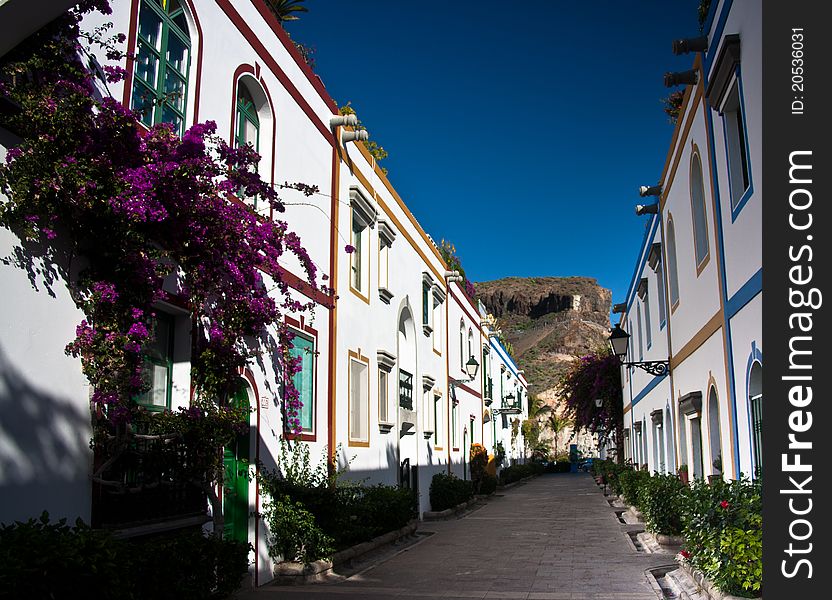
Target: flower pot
x=683, y=477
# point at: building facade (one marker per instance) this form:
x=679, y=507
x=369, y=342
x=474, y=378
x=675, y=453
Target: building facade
x=383, y=382
x=695, y=297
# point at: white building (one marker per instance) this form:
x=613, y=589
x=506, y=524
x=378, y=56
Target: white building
x=383, y=382
x=696, y=296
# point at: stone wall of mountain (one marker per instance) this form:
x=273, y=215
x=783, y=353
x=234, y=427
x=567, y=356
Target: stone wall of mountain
x=549, y=321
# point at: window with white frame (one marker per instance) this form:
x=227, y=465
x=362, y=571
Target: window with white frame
x=359, y=409
x=439, y=297
x=363, y=216
x=386, y=363
x=462, y=345
x=735, y=139
x=437, y=420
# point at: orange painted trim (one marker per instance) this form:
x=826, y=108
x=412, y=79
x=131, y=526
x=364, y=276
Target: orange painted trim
x=333, y=313
x=722, y=295
x=356, y=356
x=700, y=337
x=697, y=64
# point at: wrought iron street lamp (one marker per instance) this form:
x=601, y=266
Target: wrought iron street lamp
x=619, y=342
x=472, y=367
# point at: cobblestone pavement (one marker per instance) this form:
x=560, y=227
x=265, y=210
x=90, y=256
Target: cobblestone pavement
x=552, y=538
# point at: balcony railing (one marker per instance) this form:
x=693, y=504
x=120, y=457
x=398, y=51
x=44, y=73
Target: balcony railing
x=144, y=483
x=405, y=389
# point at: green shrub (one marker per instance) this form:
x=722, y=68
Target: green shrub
x=661, y=500
x=448, y=490
x=488, y=485
x=348, y=514
x=40, y=559
x=631, y=483
x=294, y=533
x=722, y=527
x=611, y=472
x=518, y=472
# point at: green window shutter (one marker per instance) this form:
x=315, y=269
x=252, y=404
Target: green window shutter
x=304, y=379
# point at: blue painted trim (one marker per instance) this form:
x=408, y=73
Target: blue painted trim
x=709, y=19
x=662, y=325
x=716, y=35
x=735, y=210
x=648, y=388
x=732, y=392
x=745, y=294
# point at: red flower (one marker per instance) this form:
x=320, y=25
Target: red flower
x=685, y=554
x=724, y=504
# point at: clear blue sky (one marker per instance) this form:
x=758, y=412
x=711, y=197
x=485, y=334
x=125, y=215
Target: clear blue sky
x=520, y=131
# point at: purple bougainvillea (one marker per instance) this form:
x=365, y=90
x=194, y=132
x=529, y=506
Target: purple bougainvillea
x=141, y=206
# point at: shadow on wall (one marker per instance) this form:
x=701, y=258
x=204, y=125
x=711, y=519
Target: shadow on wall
x=45, y=458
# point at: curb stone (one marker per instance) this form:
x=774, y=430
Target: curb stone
x=294, y=573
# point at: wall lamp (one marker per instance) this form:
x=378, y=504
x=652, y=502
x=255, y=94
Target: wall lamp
x=697, y=44
x=681, y=78
x=619, y=341
x=509, y=408
x=619, y=308
x=471, y=368
x=647, y=209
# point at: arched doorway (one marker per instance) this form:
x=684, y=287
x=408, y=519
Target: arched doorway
x=236, y=460
x=406, y=382
x=755, y=401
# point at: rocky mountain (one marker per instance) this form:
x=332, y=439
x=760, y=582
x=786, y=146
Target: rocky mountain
x=548, y=321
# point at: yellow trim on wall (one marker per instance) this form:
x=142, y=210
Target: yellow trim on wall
x=711, y=327
x=398, y=224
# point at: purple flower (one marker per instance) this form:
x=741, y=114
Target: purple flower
x=349, y=249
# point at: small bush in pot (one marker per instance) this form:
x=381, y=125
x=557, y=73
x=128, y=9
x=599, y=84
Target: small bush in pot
x=661, y=501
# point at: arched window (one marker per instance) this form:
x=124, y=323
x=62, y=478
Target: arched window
x=248, y=123
x=462, y=345
x=697, y=205
x=638, y=332
x=470, y=345
x=755, y=399
x=163, y=53
x=672, y=272
x=714, y=432
x=251, y=108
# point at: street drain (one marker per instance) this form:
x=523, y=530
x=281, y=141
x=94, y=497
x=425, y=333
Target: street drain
x=664, y=586
x=633, y=535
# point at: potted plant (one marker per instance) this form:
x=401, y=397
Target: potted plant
x=682, y=471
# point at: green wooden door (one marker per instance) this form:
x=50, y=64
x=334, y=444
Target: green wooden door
x=236, y=481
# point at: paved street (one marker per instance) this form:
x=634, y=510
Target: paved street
x=554, y=537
